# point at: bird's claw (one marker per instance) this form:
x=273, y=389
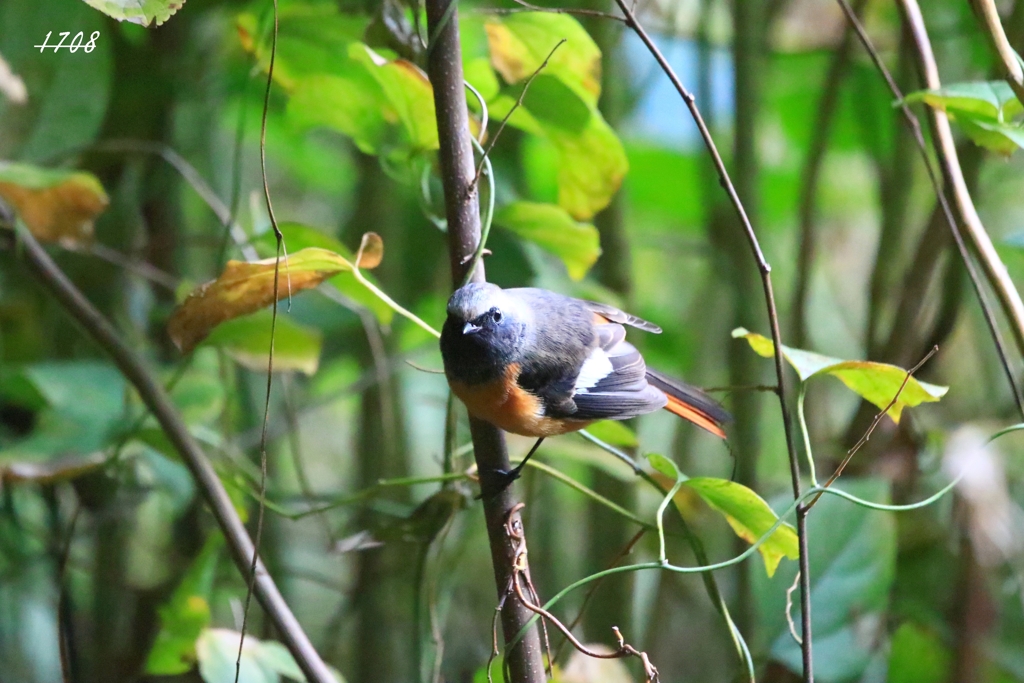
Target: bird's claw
x=498, y=482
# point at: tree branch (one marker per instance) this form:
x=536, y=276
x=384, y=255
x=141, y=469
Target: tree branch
x=773, y=319
x=827, y=107
x=444, y=67
x=945, y=147
x=988, y=15
x=946, y=150
x=159, y=403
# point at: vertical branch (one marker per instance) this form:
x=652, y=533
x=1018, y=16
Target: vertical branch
x=744, y=367
x=827, y=106
x=773, y=318
x=988, y=15
x=952, y=172
x=444, y=66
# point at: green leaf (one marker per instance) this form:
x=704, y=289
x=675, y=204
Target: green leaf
x=262, y=661
x=185, y=614
x=520, y=43
x=984, y=109
x=917, y=655
x=327, y=86
x=407, y=90
x=69, y=92
x=277, y=658
x=313, y=40
x=299, y=236
x=591, y=167
x=481, y=76
x=348, y=104
x=57, y=206
x=142, y=12
x=217, y=651
x=561, y=104
x=750, y=517
x=877, y=383
x=554, y=230
x=1003, y=138
x=615, y=433
x=591, y=161
x=84, y=401
x=990, y=99
x=852, y=567
x=552, y=103
x=664, y=466
x=247, y=340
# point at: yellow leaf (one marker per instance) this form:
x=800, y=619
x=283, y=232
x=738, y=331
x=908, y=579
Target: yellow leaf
x=247, y=287
x=57, y=206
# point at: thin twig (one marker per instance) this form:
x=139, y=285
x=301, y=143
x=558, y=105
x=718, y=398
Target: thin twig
x=529, y=7
x=261, y=508
x=64, y=612
x=141, y=268
x=519, y=102
x=514, y=530
x=773, y=318
x=187, y=171
x=626, y=550
x=159, y=403
x=295, y=446
x=789, y=609
x=743, y=387
x=423, y=368
x=946, y=149
x=874, y=423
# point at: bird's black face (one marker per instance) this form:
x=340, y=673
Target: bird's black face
x=480, y=348
x=486, y=325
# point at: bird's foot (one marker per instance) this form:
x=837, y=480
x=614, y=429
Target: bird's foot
x=498, y=482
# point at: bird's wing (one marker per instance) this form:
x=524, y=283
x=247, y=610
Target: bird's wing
x=614, y=315
x=611, y=383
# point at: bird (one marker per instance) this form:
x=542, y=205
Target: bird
x=537, y=363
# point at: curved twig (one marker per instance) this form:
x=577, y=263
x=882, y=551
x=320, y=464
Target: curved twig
x=945, y=147
x=514, y=532
x=988, y=15
x=915, y=129
x=773, y=318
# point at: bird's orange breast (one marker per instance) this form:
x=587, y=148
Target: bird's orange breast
x=508, y=406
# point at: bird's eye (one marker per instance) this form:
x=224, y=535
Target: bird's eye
x=496, y=315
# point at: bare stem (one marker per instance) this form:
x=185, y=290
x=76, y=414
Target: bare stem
x=988, y=15
x=462, y=205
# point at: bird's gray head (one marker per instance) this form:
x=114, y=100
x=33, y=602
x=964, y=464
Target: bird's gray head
x=484, y=331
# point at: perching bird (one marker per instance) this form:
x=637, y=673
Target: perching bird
x=536, y=363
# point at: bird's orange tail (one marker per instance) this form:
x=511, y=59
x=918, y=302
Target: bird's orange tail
x=690, y=403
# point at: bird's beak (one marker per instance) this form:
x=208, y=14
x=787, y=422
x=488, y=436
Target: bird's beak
x=470, y=328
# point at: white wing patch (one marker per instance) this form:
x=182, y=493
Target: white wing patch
x=597, y=366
